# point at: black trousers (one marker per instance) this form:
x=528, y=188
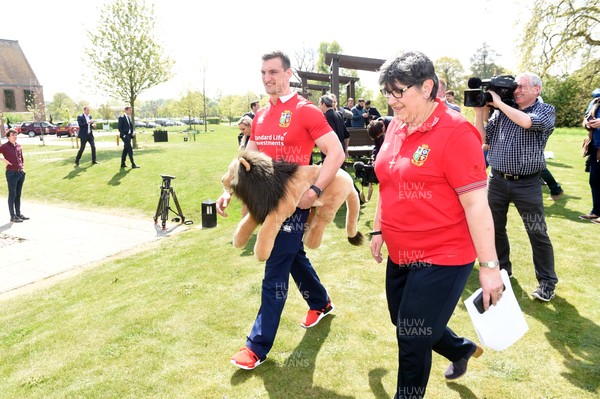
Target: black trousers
x=421, y=300
x=84, y=140
x=527, y=196
x=127, y=151
x=594, y=180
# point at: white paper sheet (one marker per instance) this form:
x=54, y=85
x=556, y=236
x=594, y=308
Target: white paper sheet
x=502, y=325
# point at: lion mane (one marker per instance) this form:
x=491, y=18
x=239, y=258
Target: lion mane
x=271, y=190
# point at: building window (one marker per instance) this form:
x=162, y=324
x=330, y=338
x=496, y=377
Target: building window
x=9, y=100
x=29, y=99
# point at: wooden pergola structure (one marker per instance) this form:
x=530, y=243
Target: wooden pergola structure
x=337, y=61
x=334, y=80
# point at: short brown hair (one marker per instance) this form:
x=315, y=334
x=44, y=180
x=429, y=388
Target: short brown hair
x=11, y=131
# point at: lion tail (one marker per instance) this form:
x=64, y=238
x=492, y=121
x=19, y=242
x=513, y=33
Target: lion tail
x=355, y=237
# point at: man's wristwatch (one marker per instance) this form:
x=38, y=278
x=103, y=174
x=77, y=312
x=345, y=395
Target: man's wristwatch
x=492, y=264
x=317, y=190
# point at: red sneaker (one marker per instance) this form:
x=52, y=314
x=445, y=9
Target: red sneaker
x=314, y=316
x=246, y=359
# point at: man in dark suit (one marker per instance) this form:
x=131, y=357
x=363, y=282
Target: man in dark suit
x=335, y=120
x=254, y=106
x=126, y=132
x=86, y=135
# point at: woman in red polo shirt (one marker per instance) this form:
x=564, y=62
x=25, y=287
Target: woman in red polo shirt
x=434, y=219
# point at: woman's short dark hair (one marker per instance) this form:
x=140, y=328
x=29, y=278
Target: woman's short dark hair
x=411, y=68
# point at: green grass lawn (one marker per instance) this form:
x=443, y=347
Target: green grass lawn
x=163, y=321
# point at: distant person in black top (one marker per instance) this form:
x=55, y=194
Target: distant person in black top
x=372, y=111
x=376, y=131
x=254, y=106
x=335, y=120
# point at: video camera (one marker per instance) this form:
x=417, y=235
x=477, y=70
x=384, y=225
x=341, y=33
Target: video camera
x=503, y=85
x=366, y=173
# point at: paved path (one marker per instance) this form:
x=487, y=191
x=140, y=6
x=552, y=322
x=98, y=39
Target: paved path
x=56, y=240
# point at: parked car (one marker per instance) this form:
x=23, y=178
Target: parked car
x=36, y=128
x=67, y=129
x=150, y=124
x=140, y=124
x=192, y=121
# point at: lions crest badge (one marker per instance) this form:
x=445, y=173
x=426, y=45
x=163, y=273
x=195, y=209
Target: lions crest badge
x=285, y=118
x=420, y=155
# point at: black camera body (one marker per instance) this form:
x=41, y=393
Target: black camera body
x=366, y=173
x=503, y=85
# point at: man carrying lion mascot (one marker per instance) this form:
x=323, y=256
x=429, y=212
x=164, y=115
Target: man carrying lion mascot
x=271, y=191
x=286, y=129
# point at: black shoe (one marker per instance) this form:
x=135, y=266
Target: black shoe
x=123, y=166
x=76, y=163
x=95, y=162
x=543, y=293
x=15, y=219
x=459, y=368
x=135, y=167
x=22, y=217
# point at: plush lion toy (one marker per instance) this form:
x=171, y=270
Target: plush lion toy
x=271, y=191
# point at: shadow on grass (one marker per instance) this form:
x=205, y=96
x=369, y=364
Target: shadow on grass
x=76, y=171
x=463, y=391
x=293, y=378
x=376, y=385
x=248, y=249
x=556, y=164
x=116, y=179
x=572, y=335
x=559, y=210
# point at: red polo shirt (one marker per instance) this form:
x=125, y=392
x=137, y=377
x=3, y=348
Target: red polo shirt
x=13, y=154
x=421, y=176
x=287, y=130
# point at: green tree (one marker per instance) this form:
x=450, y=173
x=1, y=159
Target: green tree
x=324, y=48
x=61, y=107
x=564, y=93
x=106, y=112
x=192, y=104
x=559, y=33
x=482, y=62
x=451, y=70
x=124, y=55
x=232, y=107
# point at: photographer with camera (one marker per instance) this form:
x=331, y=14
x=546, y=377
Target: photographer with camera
x=517, y=137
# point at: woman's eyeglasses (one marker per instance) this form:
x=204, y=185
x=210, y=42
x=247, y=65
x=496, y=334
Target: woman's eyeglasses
x=396, y=93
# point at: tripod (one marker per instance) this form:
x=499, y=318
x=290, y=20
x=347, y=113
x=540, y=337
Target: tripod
x=163, y=207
